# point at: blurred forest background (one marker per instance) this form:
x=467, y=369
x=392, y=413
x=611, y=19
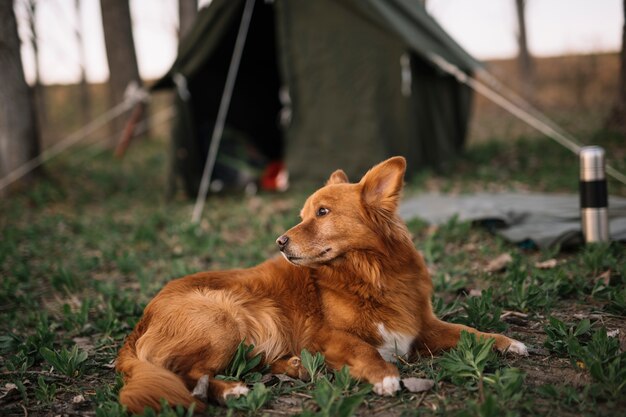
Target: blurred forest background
x=578, y=91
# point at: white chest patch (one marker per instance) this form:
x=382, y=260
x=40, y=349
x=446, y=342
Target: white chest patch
x=394, y=343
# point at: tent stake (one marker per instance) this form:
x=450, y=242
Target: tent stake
x=218, y=129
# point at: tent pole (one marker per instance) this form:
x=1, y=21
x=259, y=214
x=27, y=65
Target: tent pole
x=218, y=129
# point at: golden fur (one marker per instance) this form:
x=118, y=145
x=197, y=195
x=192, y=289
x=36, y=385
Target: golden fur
x=350, y=284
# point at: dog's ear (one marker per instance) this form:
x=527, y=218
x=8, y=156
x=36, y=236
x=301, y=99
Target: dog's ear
x=382, y=184
x=337, y=177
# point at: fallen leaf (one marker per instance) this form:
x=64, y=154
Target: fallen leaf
x=289, y=401
x=470, y=247
x=605, y=277
x=474, y=292
x=8, y=389
x=500, y=263
x=431, y=229
x=78, y=399
x=579, y=316
x=284, y=378
x=549, y=264
x=417, y=384
x=516, y=314
x=110, y=364
x=84, y=343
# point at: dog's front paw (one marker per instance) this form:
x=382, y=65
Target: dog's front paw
x=518, y=348
x=388, y=386
x=235, y=391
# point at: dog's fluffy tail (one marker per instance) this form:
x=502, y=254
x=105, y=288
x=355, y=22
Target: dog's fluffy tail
x=146, y=383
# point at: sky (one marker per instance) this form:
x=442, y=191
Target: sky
x=485, y=28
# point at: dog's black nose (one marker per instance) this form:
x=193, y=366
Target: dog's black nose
x=282, y=241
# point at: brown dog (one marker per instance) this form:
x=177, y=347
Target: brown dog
x=350, y=285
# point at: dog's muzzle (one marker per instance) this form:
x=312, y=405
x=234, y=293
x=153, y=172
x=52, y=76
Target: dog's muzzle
x=282, y=242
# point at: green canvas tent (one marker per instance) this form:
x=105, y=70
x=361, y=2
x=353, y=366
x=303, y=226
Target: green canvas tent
x=355, y=80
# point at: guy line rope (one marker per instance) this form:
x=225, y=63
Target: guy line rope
x=529, y=115
x=133, y=95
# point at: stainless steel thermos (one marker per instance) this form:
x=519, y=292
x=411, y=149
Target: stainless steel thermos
x=594, y=210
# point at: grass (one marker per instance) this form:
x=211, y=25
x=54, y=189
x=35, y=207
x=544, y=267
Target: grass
x=84, y=249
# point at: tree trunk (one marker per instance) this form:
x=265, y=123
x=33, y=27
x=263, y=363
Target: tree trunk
x=84, y=96
x=187, y=12
x=617, y=117
x=19, y=140
x=524, y=59
x=120, y=49
x=40, y=98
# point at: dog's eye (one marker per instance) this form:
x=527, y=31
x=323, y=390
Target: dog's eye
x=322, y=211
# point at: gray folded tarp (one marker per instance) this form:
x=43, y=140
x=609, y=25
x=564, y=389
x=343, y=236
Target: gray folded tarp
x=543, y=219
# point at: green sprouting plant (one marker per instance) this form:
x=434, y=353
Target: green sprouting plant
x=507, y=383
x=243, y=364
x=482, y=313
x=468, y=364
x=443, y=282
x=527, y=296
x=86, y=264
x=45, y=392
x=443, y=309
x=76, y=319
x=606, y=364
x=595, y=351
x=342, y=380
x=598, y=256
x=337, y=398
x=67, y=362
x=614, y=295
x=489, y=407
x=559, y=283
x=128, y=263
x=314, y=364
x=563, y=339
x=432, y=249
x=617, y=301
x=434, y=245
x=454, y=229
x=166, y=411
x=43, y=336
x=28, y=346
x=19, y=363
x=258, y=396
x=468, y=360
x=525, y=293
x=21, y=388
x=117, y=313
x=610, y=375
x=111, y=409
x=567, y=396
x=107, y=401
x=9, y=342
x=64, y=280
